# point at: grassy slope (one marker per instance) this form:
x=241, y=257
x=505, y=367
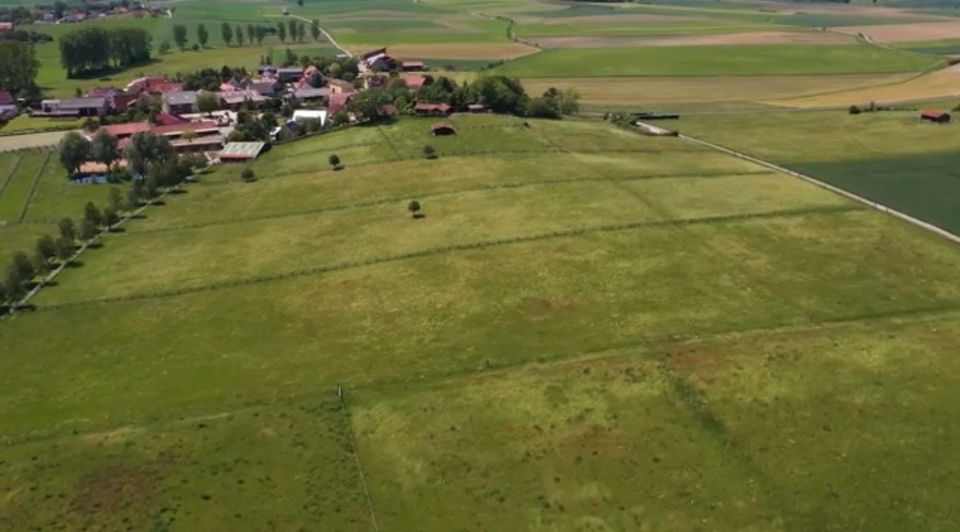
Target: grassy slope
x=889, y=157
x=717, y=60
x=653, y=286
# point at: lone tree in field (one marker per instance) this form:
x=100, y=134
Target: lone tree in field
x=202, y=35
x=248, y=176
x=429, y=152
x=180, y=36
x=414, y=208
x=335, y=161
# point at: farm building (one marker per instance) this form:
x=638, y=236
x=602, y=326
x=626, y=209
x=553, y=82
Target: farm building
x=477, y=108
x=180, y=103
x=432, y=109
x=415, y=81
x=413, y=66
x=235, y=99
x=264, y=87
x=442, y=129
x=939, y=117
x=75, y=106
x=339, y=86
x=241, y=151
x=302, y=115
x=287, y=75
x=6, y=26
x=309, y=94
x=8, y=106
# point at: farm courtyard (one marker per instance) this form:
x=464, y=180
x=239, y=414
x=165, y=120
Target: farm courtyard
x=584, y=329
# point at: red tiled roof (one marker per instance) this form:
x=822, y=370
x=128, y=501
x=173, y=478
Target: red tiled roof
x=163, y=86
x=167, y=119
x=414, y=81
x=337, y=102
x=174, y=129
x=931, y=113
x=441, y=125
x=126, y=130
x=432, y=107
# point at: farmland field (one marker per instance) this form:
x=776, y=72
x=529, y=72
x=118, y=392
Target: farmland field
x=890, y=157
x=718, y=61
x=586, y=327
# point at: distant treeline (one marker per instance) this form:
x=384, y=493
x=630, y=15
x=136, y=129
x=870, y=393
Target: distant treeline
x=95, y=49
x=24, y=36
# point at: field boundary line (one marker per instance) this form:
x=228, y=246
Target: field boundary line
x=454, y=248
x=833, y=188
x=16, y=166
x=356, y=457
x=441, y=193
x=33, y=188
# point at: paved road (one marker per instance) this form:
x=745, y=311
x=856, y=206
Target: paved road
x=31, y=140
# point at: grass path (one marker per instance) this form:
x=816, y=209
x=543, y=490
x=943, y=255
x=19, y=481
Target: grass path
x=33, y=187
x=327, y=35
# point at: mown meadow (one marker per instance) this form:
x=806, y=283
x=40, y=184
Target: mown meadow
x=584, y=327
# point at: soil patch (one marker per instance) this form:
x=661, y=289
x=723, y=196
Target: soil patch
x=923, y=31
x=755, y=37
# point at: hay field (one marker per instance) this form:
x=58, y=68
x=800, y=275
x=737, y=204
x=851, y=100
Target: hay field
x=515, y=359
x=896, y=33
x=719, y=39
x=638, y=91
x=944, y=83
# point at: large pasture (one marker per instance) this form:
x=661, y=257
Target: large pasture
x=587, y=327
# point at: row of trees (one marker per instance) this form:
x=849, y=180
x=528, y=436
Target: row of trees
x=251, y=33
x=49, y=251
x=94, y=49
x=18, y=68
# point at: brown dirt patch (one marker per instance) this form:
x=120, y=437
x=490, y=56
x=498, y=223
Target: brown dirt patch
x=940, y=84
x=923, y=31
x=755, y=37
x=508, y=50
x=108, y=489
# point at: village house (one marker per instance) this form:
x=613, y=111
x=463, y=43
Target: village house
x=415, y=81
x=377, y=61
x=413, y=66
x=180, y=103
x=339, y=86
x=289, y=74
x=93, y=106
x=337, y=103
x=309, y=94
x=8, y=106
x=432, y=109
x=7, y=26
x=264, y=87
x=235, y=99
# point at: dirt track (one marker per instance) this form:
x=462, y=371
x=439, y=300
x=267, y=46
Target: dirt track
x=31, y=140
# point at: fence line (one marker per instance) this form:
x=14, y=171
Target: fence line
x=356, y=457
x=33, y=187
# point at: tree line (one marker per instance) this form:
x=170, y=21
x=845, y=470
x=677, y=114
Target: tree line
x=95, y=49
x=239, y=34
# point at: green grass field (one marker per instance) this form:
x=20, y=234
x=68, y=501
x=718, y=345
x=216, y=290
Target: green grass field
x=718, y=61
x=889, y=157
x=34, y=194
x=588, y=329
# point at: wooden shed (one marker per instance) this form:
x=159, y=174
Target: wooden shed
x=442, y=128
